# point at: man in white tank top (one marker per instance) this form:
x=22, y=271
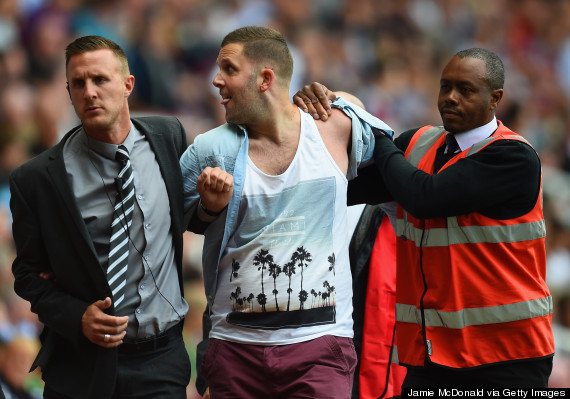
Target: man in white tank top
x=272, y=182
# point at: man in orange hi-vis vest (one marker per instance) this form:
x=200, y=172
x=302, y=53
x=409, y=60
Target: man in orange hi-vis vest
x=472, y=306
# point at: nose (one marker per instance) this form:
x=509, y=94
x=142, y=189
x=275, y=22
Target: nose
x=218, y=82
x=89, y=90
x=451, y=97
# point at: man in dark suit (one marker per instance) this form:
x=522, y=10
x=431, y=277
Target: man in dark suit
x=99, y=241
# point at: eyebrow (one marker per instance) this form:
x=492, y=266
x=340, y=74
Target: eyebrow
x=461, y=82
x=224, y=60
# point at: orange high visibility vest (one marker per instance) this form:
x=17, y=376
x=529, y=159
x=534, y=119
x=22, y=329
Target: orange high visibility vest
x=485, y=299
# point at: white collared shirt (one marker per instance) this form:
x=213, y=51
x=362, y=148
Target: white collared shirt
x=470, y=137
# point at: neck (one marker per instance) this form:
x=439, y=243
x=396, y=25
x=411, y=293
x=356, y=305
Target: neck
x=108, y=137
x=116, y=133
x=280, y=123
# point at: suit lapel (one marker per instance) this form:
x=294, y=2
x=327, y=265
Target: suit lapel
x=75, y=229
x=58, y=175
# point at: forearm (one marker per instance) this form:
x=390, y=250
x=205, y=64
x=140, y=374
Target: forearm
x=190, y=172
x=199, y=221
x=201, y=383
x=500, y=174
x=368, y=187
x=207, y=192
x=55, y=308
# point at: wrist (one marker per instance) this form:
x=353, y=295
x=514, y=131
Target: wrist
x=209, y=212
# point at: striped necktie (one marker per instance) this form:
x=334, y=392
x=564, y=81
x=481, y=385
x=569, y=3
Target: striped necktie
x=122, y=220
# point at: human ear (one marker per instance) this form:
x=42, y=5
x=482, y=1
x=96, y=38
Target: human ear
x=267, y=79
x=496, y=97
x=129, y=85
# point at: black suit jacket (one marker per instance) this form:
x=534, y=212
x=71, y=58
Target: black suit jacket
x=50, y=235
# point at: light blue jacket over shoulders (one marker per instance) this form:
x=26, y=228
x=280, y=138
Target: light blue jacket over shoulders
x=226, y=147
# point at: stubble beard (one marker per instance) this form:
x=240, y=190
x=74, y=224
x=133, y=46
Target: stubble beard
x=250, y=105
x=101, y=123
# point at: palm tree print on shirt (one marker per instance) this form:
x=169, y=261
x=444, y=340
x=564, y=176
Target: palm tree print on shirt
x=262, y=258
x=289, y=270
x=235, y=268
x=275, y=271
x=321, y=309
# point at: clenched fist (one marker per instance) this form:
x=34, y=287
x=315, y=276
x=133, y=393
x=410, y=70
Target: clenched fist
x=216, y=188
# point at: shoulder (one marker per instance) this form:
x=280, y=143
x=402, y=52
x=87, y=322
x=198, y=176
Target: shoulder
x=39, y=163
x=509, y=143
x=338, y=125
x=163, y=132
x=152, y=123
x=224, y=141
x=403, y=139
x=508, y=150
x=216, y=147
x=226, y=135
x=336, y=135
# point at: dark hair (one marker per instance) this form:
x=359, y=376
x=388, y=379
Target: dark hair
x=264, y=44
x=91, y=43
x=495, y=69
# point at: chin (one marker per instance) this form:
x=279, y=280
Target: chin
x=91, y=124
x=95, y=125
x=230, y=119
x=450, y=127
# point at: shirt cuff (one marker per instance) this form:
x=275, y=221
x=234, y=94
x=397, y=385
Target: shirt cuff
x=205, y=215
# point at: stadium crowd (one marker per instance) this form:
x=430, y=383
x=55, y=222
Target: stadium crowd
x=389, y=53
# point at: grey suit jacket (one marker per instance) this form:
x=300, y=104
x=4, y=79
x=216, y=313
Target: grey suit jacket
x=50, y=235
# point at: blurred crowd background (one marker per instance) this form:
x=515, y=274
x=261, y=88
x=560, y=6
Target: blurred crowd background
x=390, y=53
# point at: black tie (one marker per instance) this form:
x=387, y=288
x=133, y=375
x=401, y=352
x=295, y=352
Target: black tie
x=122, y=219
x=452, y=146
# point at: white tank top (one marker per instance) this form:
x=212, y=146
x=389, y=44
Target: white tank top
x=285, y=276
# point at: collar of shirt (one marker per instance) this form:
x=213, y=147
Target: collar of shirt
x=470, y=137
x=109, y=150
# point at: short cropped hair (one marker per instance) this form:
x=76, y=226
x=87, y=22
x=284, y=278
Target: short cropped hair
x=264, y=44
x=91, y=43
x=495, y=69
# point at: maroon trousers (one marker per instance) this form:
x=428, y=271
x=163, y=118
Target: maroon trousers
x=320, y=368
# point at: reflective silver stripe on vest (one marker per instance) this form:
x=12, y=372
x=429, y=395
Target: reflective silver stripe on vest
x=394, y=358
x=430, y=136
x=455, y=234
x=475, y=316
x=479, y=145
x=424, y=143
